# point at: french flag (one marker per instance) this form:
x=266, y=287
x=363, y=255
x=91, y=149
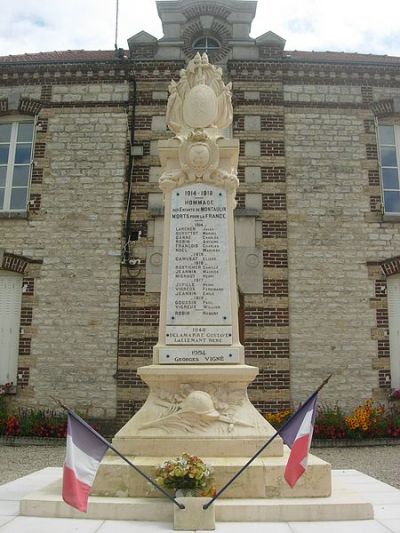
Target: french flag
x=85, y=450
x=297, y=434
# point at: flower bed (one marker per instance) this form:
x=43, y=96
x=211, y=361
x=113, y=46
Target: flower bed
x=368, y=421
x=43, y=423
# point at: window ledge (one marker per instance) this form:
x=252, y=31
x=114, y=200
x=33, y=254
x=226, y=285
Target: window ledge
x=13, y=214
x=391, y=218
x=156, y=211
x=247, y=212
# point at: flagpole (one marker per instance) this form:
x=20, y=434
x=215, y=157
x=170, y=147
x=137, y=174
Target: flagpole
x=111, y=447
x=223, y=489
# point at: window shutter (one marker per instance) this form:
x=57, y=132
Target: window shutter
x=10, y=313
x=393, y=284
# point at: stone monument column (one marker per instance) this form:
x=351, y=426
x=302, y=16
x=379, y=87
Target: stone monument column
x=198, y=381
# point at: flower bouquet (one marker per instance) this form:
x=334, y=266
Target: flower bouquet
x=186, y=475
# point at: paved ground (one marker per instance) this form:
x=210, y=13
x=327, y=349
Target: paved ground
x=380, y=462
x=384, y=498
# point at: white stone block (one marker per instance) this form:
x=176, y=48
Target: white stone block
x=249, y=263
x=252, y=122
x=154, y=174
x=194, y=517
x=245, y=231
x=155, y=200
x=253, y=201
x=251, y=95
x=154, y=148
x=252, y=148
x=252, y=174
x=159, y=95
x=158, y=123
x=158, y=231
x=153, y=268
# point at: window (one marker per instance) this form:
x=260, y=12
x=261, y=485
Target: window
x=389, y=152
x=393, y=289
x=15, y=164
x=206, y=44
x=10, y=312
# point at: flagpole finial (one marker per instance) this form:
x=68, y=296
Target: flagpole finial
x=324, y=383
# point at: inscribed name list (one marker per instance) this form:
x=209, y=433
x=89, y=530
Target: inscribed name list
x=198, y=273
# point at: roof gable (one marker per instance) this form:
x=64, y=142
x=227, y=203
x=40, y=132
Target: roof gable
x=271, y=39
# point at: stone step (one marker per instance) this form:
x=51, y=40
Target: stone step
x=343, y=504
x=262, y=479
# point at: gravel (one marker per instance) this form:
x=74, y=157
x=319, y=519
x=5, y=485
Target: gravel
x=381, y=462
x=17, y=461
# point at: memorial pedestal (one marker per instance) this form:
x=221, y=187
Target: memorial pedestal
x=204, y=411
x=201, y=410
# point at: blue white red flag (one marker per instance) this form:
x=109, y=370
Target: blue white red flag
x=298, y=435
x=85, y=450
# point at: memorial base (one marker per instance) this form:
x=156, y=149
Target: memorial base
x=343, y=504
x=198, y=409
x=262, y=479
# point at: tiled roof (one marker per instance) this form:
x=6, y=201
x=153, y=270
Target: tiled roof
x=342, y=57
x=107, y=55
x=62, y=56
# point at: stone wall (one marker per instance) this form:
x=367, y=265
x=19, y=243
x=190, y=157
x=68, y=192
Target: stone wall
x=259, y=124
x=309, y=202
x=69, y=337
x=334, y=234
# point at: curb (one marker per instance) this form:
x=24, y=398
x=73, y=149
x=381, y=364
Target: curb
x=32, y=441
x=353, y=443
x=316, y=443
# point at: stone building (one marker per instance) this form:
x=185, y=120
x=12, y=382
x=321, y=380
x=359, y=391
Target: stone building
x=81, y=215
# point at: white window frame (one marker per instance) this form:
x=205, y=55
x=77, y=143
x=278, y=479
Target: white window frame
x=14, y=121
x=10, y=319
x=396, y=130
x=393, y=295
x=206, y=48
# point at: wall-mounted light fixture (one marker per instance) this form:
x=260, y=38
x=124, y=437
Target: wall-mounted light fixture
x=137, y=150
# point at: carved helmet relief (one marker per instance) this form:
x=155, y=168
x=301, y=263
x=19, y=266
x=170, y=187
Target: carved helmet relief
x=200, y=403
x=194, y=411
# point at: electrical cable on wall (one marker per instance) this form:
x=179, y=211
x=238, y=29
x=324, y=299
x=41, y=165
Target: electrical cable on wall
x=127, y=259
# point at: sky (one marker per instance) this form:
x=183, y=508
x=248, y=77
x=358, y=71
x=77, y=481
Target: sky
x=343, y=25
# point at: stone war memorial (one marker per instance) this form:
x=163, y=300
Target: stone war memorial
x=197, y=401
